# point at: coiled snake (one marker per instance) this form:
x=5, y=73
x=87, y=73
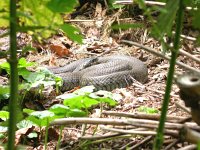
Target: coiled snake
x=106, y=73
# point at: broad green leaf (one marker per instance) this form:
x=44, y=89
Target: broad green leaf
x=85, y=90
x=4, y=13
x=62, y=6
x=32, y=135
x=25, y=124
x=42, y=114
x=3, y=129
x=42, y=118
x=112, y=5
x=148, y=110
x=4, y=115
x=72, y=32
x=59, y=109
x=80, y=102
x=23, y=63
x=4, y=92
x=28, y=111
x=2, y=136
x=5, y=66
x=34, y=13
x=106, y=97
x=165, y=21
x=31, y=76
x=76, y=113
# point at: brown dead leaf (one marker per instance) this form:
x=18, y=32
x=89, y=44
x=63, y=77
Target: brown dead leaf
x=21, y=133
x=52, y=61
x=98, y=12
x=53, y=134
x=60, y=50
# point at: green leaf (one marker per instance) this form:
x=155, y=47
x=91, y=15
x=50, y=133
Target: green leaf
x=5, y=66
x=4, y=92
x=4, y=115
x=85, y=90
x=148, y=110
x=4, y=13
x=34, y=14
x=23, y=63
x=2, y=136
x=25, y=124
x=76, y=113
x=80, y=102
x=3, y=129
x=41, y=118
x=165, y=20
x=42, y=114
x=28, y=111
x=32, y=135
x=112, y=5
x=72, y=32
x=61, y=6
x=31, y=76
x=105, y=97
x=59, y=109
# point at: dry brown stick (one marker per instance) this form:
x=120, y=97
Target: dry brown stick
x=141, y=115
x=119, y=135
x=97, y=137
x=174, y=133
x=128, y=2
x=187, y=110
x=153, y=90
x=147, y=132
x=148, y=49
x=67, y=121
x=187, y=37
x=189, y=135
x=152, y=124
x=184, y=53
x=128, y=145
x=145, y=140
x=79, y=20
x=168, y=147
x=189, y=147
x=121, y=122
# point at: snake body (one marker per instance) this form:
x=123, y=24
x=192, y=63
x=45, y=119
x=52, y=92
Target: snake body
x=106, y=73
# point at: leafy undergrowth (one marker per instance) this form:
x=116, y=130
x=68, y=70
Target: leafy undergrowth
x=76, y=104
x=83, y=102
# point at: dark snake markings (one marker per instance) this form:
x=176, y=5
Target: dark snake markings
x=105, y=73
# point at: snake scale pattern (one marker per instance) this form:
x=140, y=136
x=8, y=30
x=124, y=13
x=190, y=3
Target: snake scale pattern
x=105, y=73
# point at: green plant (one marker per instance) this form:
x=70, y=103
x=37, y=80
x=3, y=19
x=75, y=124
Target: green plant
x=147, y=110
x=42, y=18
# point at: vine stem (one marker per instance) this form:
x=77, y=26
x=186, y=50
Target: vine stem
x=159, y=137
x=13, y=77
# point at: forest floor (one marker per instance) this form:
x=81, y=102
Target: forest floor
x=98, y=38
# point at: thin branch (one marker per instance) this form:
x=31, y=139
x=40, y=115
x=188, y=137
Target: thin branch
x=150, y=3
x=145, y=140
x=184, y=53
x=141, y=115
x=148, y=49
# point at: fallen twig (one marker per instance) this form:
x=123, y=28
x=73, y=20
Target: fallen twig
x=145, y=140
x=142, y=116
x=150, y=3
x=161, y=55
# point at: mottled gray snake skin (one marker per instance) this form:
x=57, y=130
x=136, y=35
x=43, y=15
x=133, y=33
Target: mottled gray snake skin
x=105, y=73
